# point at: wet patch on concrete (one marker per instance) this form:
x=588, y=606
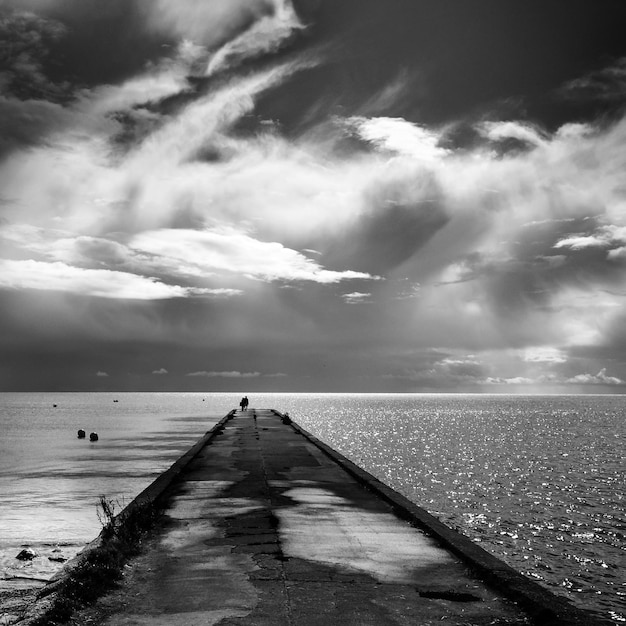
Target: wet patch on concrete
x=327, y=528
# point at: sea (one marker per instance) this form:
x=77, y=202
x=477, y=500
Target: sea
x=536, y=480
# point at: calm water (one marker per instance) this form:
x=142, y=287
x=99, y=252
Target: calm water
x=537, y=480
x=50, y=480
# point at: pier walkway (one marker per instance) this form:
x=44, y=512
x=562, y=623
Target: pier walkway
x=263, y=528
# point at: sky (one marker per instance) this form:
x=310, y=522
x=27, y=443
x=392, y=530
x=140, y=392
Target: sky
x=313, y=195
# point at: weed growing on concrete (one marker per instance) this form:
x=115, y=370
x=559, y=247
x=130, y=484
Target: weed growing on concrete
x=106, y=511
x=102, y=567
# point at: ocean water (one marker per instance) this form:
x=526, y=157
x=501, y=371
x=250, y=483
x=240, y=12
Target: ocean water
x=536, y=480
x=50, y=480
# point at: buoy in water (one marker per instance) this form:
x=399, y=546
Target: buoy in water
x=81, y=434
x=93, y=436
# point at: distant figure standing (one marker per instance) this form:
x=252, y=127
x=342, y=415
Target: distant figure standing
x=244, y=403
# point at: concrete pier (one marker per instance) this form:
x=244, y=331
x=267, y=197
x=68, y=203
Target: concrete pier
x=264, y=526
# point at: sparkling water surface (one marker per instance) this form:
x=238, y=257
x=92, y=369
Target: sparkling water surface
x=537, y=480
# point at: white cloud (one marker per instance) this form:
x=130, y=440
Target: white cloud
x=29, y=274
x=617, y=253
x=601, y=378
x=604, y=237
x=498, y=131
x=265, y=35
x=226, y=250
x=160, y=372
x=102, y=375
x=61, y=246
x=231, y=374
x=543, y=354
x=515, y=380
x=399, y=136
x=203, y=22
x=356, y=297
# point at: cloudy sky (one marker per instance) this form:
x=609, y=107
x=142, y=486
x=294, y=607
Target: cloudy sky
x=313, y=195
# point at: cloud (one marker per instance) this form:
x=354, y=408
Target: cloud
x=399, y=136
x=102, y=375
x=617, y=254
x=356, y=297
x=601, y=378
x=265, y=35
x=501, y=131
x=449, y=372
x=515, y=380
x=409, y=292
x=26, y=43
x=29, y=274
x=544, y=354
x=232, y=374
x=208, y=23
x=170, y=185
x=226, y=250
x=160, y=372
x=610, y=236
x=160, y=80
x=96, y=252
x=27, y=122
x=604, y=84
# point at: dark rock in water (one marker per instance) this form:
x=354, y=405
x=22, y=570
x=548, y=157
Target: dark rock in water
x=93, y=436
x=27, y=554
x=81, y=434
x=57, y=559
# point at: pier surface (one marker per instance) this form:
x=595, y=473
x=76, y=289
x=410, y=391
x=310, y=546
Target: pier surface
x=263, y=528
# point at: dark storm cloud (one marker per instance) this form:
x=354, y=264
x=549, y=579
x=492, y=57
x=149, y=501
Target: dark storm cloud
x=26, y=41
x=27, y=123
x=101, y=42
